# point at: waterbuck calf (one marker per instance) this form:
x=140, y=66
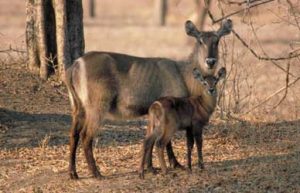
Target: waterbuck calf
x=110, y=85
x=170, y=114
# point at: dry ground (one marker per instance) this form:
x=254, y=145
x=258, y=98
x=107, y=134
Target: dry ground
x=259, y=154
x=239, y=156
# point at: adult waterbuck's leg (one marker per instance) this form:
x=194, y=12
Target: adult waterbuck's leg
x=77, y=125
x=78, y=117
x=87, y=134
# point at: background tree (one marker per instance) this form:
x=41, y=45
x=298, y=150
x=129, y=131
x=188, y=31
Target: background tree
x=92, y=8
x=160, y=12
x=54, y=35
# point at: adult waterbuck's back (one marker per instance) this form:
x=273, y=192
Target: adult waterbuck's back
x=109, y=85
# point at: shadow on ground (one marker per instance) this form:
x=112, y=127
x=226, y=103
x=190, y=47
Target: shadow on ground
x=21, y=129
x=271, y=173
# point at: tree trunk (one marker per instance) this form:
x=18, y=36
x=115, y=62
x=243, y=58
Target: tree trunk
x=200, y=13
x=63, y=49
x=75, y=28
x=54, y=35
x=41, y=38
x=31, y=42
x=92, y=8
x=160, y=12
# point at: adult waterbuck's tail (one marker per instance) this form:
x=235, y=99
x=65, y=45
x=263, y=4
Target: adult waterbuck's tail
x=110, y=85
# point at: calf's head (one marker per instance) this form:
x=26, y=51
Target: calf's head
x=207, y=48
x=210, y=82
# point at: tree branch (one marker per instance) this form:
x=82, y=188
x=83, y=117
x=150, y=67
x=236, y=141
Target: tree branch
x=236, y=12
x=272, y=95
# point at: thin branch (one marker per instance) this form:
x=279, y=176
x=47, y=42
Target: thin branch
x=291, y=54
x=236, y=12
x=287, y=79
x=272, y=95
x=13, y=50
x=241, y=2
x=264, y=52
x=293, y=12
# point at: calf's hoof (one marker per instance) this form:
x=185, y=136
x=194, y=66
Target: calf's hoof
x=201, y=166
x=164, y=172
x=141, y=175
x=189, y=170
x=175, y=164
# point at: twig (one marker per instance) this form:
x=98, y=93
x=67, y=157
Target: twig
x=61, y=93
x=241, y=2
x=282, y=18
x=13, y=50
x=272, y=95
x=236, y=12
x=264, y=52
x=286, y=84
x=293, y=12
x=291, y=54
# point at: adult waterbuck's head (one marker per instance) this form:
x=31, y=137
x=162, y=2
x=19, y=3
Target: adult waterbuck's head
x=206, y=50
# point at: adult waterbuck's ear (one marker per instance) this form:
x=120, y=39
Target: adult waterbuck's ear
x=225, y=28
x=221, y=73
x=191, y=29
x=197, y=75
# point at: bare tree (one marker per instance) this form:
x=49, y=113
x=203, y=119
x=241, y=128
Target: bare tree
x=200, y=13
x=54, y=35
x=160, y=12
x=92, y=8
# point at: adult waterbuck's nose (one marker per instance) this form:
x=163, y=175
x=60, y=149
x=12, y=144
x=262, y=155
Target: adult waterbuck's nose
x=210, y=62
x=211, y=91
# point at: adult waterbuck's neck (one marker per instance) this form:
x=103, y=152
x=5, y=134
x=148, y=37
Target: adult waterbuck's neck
x=205, y=55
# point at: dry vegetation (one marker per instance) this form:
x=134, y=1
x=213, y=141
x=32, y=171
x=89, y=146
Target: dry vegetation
x=245, y=150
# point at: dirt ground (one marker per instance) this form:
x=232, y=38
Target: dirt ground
x=239, y=156
x=258, y=152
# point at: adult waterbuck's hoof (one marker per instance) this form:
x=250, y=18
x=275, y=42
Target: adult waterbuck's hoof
x=97, y=175
x=73, y=176
x=152, y=170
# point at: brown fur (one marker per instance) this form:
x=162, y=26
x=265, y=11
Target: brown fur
x=111, y=85
x=170, y=114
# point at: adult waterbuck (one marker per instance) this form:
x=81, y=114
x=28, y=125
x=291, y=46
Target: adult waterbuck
x=105, y=84
x=168, y=115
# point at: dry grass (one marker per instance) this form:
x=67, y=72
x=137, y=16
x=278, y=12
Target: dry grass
x=258, y=153
x=239, y=157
